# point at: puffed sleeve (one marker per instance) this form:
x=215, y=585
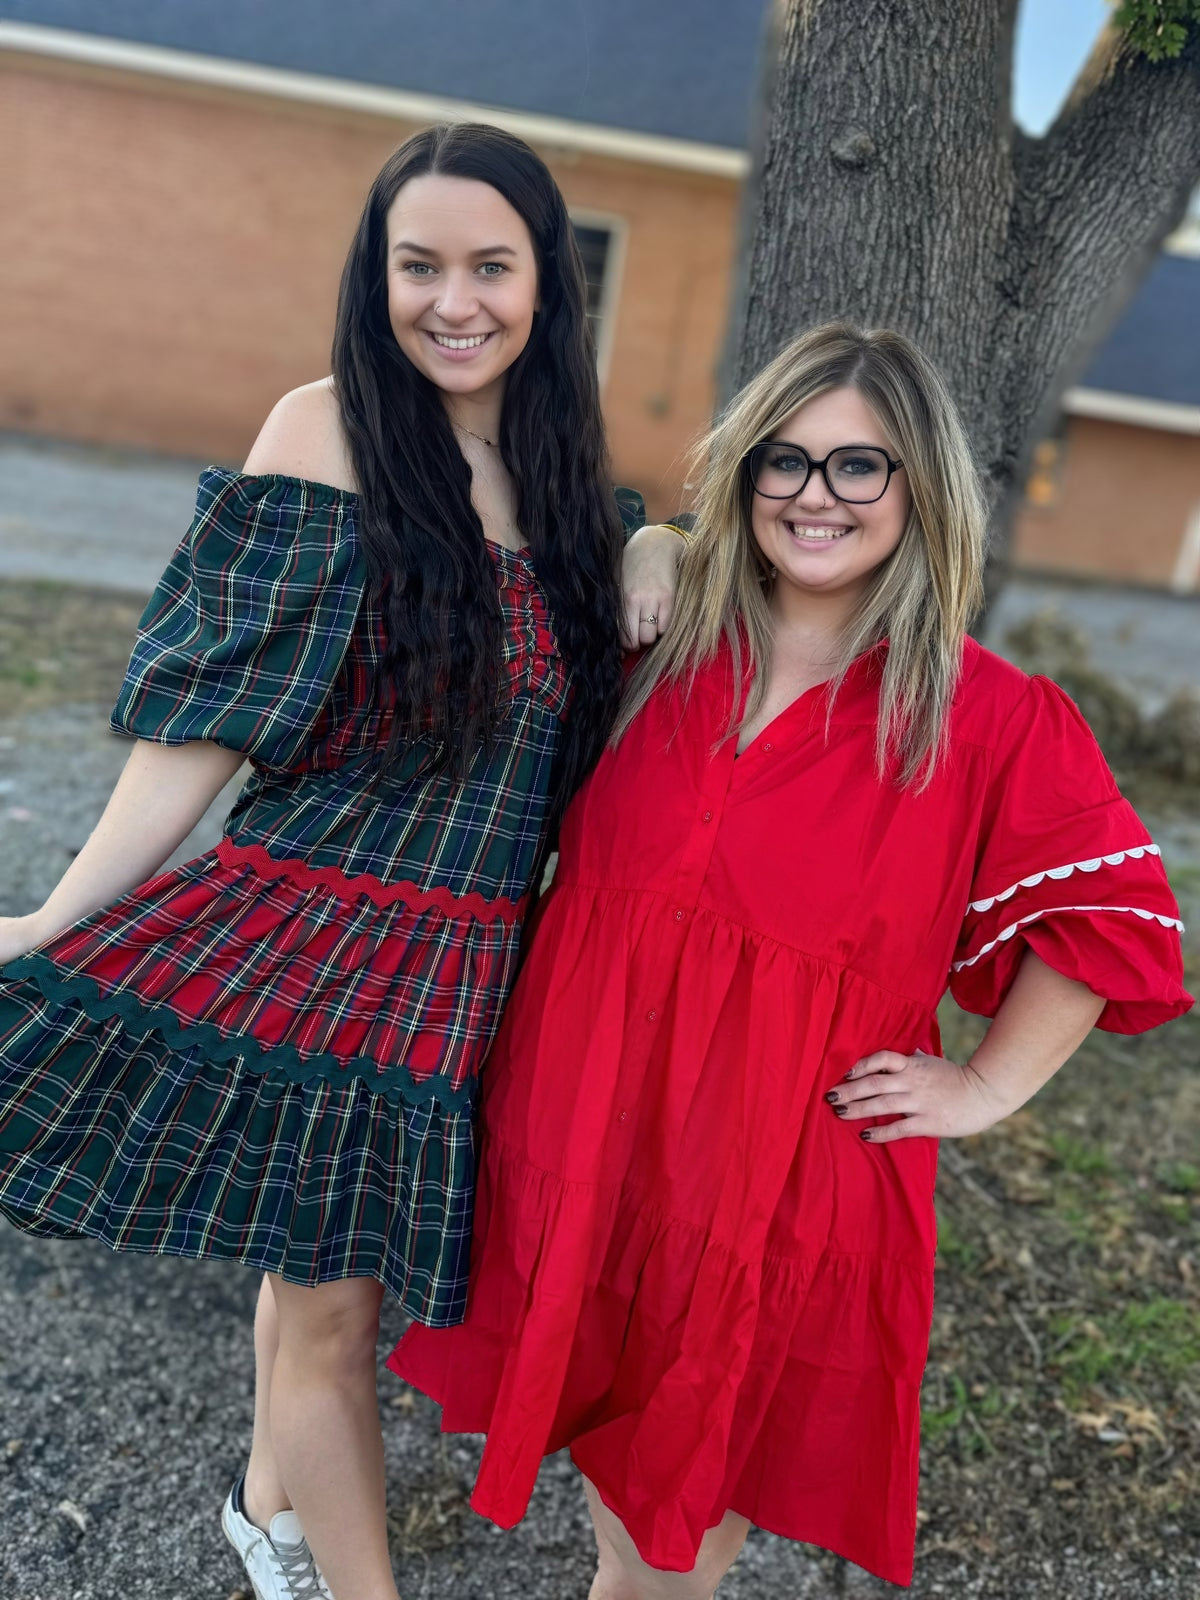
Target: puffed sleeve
x=1066, y=868
x=243, y=637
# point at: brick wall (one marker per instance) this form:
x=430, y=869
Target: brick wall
x=1122, y=500
x=171, y=256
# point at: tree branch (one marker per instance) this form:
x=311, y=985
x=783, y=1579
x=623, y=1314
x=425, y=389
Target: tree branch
x=1094, y=199
x=1126, y=115
x=893, y=188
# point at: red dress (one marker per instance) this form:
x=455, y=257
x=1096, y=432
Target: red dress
x=683, y=1265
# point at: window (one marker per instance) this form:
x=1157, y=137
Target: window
x=601, y=243
x=1044, y=483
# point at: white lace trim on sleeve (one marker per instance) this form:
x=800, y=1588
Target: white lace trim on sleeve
x=1135, y=853
x=1049, y=911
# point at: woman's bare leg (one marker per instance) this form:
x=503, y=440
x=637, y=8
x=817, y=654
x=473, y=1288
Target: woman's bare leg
x=622, y=1574
x=325, y=1430
x=264, y=1493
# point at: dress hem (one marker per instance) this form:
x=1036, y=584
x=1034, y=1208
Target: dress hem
x=260, y=1260
x=837, y=1549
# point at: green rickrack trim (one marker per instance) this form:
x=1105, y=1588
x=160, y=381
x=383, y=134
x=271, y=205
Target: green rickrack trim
x=283, y=1059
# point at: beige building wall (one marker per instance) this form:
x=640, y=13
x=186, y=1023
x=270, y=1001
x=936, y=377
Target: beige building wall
x=1120, y=501
x=170, y=256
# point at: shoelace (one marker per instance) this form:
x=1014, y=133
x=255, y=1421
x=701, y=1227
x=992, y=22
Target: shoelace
x=296, y=1564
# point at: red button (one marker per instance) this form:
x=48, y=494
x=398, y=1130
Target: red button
x=768, y=747
x=621, y=1115
x=679, y=916
x=707, y=817
x=652, y=1016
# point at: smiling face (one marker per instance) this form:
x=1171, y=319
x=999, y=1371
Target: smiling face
x=817, y=543
x=462, y=283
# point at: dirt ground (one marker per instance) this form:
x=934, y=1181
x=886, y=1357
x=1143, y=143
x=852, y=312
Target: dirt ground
x=1061, y=1450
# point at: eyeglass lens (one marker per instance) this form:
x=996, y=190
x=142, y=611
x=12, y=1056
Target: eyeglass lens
x=858, y=474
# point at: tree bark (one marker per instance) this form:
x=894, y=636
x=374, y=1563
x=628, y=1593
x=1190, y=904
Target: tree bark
x=893, y=188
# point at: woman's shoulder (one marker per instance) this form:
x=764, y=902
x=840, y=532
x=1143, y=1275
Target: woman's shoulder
x=303, y=438
x=991, y=691
x=985, y=672
x=999, y=704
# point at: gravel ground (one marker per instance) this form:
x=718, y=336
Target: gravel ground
x=90, y=516
x=125, y=1409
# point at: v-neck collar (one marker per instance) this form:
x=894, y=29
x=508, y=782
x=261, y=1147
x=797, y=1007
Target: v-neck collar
x=805, y=702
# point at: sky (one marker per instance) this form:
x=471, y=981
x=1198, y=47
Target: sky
x=1054, y=38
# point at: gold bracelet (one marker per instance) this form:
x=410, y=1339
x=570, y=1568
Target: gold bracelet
x=675, y=528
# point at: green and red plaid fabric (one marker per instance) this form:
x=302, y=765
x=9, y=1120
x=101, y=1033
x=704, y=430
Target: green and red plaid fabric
x=132, y=1135
x=271, y=1053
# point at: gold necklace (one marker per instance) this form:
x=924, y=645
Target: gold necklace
x=459, y=428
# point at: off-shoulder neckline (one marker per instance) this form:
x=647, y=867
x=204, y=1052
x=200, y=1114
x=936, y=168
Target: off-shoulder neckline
x=333, y=491
x=325, y=490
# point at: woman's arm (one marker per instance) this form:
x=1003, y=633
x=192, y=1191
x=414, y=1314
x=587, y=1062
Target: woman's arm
x=649, y=572
x=1042, y=1021
x=166, y=789
x=160, y=796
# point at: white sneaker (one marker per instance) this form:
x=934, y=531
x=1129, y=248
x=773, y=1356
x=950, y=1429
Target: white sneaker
x=278, y=1563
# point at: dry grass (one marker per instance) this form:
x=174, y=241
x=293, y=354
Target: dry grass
x=1062, y=1398
x=1151, y=754
x=62, y=644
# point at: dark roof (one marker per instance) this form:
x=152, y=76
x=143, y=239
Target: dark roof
x=1154, y=351
x=685, y=68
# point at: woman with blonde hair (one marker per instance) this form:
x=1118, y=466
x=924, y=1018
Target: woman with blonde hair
x=704, y=1238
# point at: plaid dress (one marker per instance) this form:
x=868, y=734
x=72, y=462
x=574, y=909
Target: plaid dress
x=270, y=1054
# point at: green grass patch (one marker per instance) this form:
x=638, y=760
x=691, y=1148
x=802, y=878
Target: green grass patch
x=1179, y=1177
x=1157, y=1338
x=1078, y=1157
x=1183, y=876
x=953, y=1249
x=957, y=1415
x=59, y=643
x=20, y=673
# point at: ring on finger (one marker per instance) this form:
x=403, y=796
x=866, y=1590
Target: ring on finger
x=651, y=618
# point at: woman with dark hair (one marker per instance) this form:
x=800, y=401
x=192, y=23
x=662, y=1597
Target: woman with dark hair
x=404, y=611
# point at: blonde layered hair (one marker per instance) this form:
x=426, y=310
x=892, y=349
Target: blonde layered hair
x=920, y=599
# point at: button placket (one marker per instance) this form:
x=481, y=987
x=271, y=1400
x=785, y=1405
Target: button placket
x=682, y=894
x=697, y=851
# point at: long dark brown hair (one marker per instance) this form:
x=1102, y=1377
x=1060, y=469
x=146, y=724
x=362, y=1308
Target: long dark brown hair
x=422, y=538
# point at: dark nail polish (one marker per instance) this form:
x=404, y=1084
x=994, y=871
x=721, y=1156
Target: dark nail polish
x=850, y=1074
x=841, y=1111
x=832, y=1097
x=866, y=1134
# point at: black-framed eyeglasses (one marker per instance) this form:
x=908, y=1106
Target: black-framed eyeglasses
x=856, y=473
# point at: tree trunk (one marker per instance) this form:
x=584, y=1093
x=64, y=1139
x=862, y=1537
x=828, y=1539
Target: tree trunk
x=893, y=188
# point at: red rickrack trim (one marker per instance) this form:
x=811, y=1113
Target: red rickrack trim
x=383, y=894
